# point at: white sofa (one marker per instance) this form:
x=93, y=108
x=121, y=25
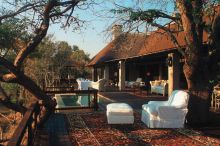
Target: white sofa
x=166, y=114
x=99, y=85
x=159, y=87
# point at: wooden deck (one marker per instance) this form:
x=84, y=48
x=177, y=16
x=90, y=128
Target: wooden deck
x=55, y=132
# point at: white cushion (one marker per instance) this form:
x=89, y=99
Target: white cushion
x=180, y=99
x=119, y=107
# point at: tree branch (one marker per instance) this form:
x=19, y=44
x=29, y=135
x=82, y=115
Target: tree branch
x=8, y=78
x=5, y=100
x=62, y=12
x=40, y=34
x=19, y=11
x=172, y=36
x=41, y=31
x=7, y=64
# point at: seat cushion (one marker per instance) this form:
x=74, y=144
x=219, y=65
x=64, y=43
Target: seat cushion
x=119, y=108
x=119, y=113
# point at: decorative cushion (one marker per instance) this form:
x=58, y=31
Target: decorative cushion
x=180, y=99
x=157, y=83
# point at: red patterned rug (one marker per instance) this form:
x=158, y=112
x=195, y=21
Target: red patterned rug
x=92, y=129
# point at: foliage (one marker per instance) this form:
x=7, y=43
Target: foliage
x=10, y=30
x=56, y=60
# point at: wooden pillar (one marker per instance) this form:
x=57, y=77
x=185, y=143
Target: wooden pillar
x=94, y=74
x=173, y=72
x=121, y=75
x=160, y=71
x=106, y=72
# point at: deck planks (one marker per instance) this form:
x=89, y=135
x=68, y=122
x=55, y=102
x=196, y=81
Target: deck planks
x=54, y=133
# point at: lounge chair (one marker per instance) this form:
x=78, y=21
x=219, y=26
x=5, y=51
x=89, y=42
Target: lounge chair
x=166, y=114
x=136, y=83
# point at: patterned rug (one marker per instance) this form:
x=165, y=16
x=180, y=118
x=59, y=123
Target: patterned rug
x=92, y=129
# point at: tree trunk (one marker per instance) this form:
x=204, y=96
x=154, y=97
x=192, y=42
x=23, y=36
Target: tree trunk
x=33, y=88
x=48, y=102
x=195, y=70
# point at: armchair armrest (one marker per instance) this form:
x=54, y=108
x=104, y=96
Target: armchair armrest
x=151, y=83
x=171, y=112
x=161, y=103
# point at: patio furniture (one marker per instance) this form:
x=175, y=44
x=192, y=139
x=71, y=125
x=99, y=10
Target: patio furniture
x=159, y=87
x=166, y=114
x=216, y=97
x=132, y=84
x=83, y=84
x=119, y=113
x=99, y=85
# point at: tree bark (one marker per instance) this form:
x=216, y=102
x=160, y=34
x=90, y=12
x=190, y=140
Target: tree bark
x=195, y=69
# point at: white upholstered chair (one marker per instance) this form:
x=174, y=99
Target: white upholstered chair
x=136, y=83
x=166, y=114
x=99, y=85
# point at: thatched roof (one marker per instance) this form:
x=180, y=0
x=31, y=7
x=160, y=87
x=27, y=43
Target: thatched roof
x=129, y=45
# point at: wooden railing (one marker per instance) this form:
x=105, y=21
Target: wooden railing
x=26, y=130
x=27, y=126
x=58, y=88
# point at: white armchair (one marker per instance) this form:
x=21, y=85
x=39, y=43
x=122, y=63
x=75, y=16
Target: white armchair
x=166, y=114
x=131, y=84
x=159, y=86
x=99, y=85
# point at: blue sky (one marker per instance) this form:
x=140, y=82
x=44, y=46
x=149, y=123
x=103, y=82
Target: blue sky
x=90, y=40
x=93, y=37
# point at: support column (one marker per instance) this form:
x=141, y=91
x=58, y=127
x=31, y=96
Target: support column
x=94, y=74
x=173, y=72
x=106, y=72
x=160, y=71
x=121, y=75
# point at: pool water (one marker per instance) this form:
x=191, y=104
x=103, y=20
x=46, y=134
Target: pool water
x=72, y=100
x=77, y=100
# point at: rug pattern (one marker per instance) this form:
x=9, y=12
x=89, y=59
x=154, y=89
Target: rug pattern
x=92, y=129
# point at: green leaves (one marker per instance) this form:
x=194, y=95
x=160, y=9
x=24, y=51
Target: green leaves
x=148, y=15
x=12, y=30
